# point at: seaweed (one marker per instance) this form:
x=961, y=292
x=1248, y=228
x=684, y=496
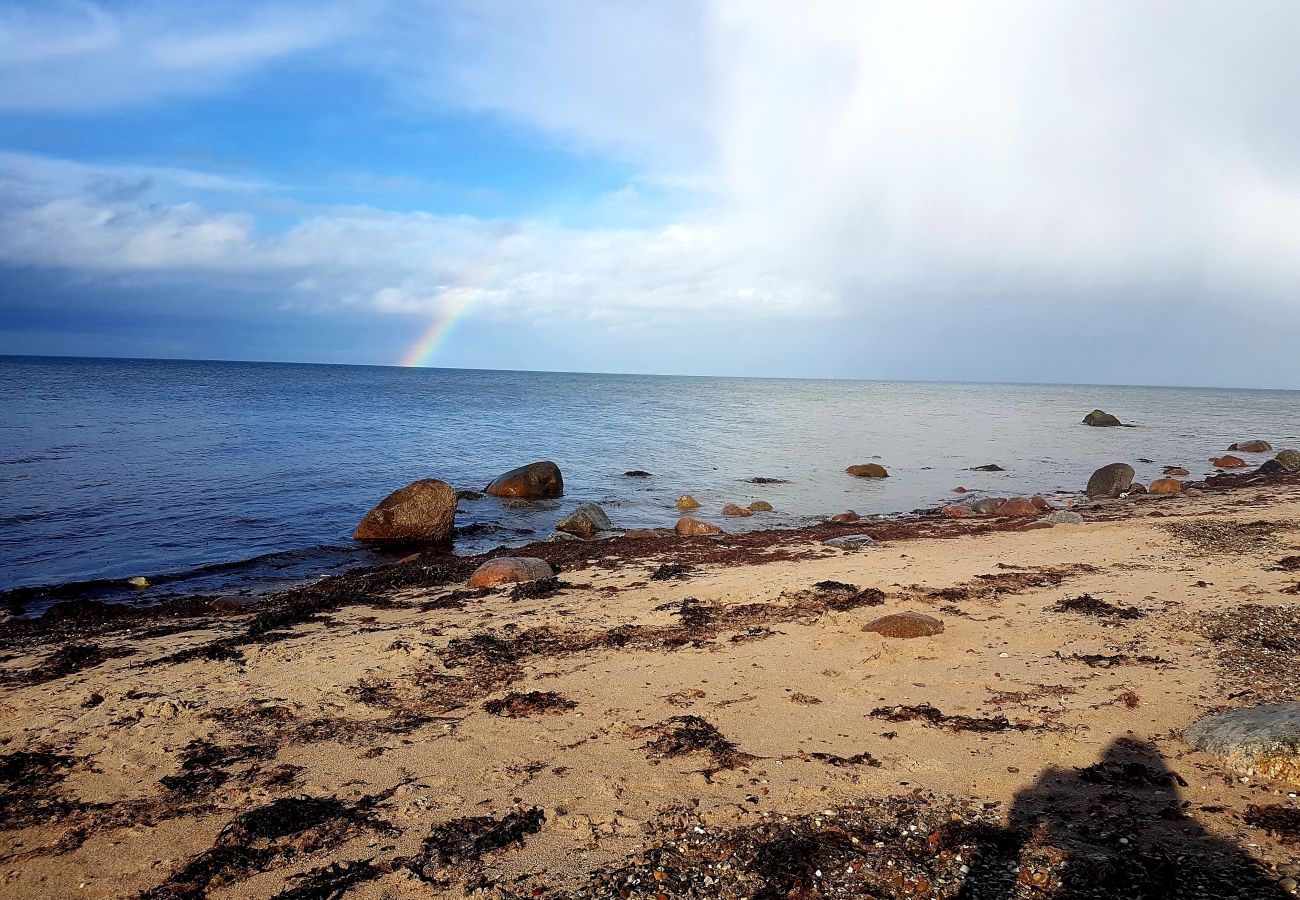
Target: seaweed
x=1283, y=822
x=669, y=571
x=333, y=881
x=1130, y=773
x=1088, y=605
x=468, y=839
x=684, y=735
x=202, y=764
x=930, y=715
x=1111, y=660
x=518, y=705
x=539, y=589
x=67, y=660
x=858, y=759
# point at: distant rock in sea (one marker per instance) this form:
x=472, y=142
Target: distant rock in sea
x=1099, y=419
x=868, y=470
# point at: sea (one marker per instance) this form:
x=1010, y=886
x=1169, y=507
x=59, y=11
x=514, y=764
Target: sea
x=241, y=478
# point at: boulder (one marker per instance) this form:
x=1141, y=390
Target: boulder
x=1166, y=486
x=1017, y=506
x=637, y=473
x=956, y=512
x=1136, y=487
x=987, y=506
x=1040, y=502
x=760, y=506
x=585, y=521
x=845, y=518
x=1227, y=462
x=535, y=481
x=987, y=467
x=424, y=510
x=850, y=542
x=1253, y=740
x=1252, y=446
x=1063, y=517
x=735, y=509
x=510, y=569
x=688, y=527
x=1100, y=419
x=1289, y=460
x=1110, y=481
x=959, y=490
x=868, y=470
x=1176, y=471
x=556, y=536
x=642, y=534
x=686, y=501
x=469, y=495
x=905, y=625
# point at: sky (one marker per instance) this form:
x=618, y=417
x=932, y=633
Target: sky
x=1037, y=191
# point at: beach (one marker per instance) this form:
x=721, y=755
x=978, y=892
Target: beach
x=683, y=717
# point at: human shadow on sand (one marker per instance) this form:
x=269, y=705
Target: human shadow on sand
x=1115, y=829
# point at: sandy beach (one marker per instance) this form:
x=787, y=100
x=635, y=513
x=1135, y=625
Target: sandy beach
x=681, y=717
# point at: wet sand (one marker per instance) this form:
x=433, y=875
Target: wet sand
x=681, y=717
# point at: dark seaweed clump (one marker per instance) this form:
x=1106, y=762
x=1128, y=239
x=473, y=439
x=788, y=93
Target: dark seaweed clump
x=932, y=716
x=669, y=571
x=858, y=759
x=518, y=705
x=1088, y=605
x=1129, y=774
x=684, y=735
x=1283, y=822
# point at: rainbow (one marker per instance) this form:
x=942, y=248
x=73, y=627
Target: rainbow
x=455, y=302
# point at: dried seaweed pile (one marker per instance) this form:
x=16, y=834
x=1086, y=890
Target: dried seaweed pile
x=1088, y=605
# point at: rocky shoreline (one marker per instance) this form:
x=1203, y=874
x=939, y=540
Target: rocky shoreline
x=927, y=705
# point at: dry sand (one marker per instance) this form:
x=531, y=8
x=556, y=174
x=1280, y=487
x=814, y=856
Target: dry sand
x=731, y=732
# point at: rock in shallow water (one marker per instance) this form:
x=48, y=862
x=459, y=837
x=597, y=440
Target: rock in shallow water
x=1255, y=740
x=1289, y=460
x=1017, y=506
x=535, y=481
x=1110, y=481
x=868, y=470
x=1252, y=446
x=424, y=510
x=734, y=509
x=1227, y=462
x=686, y=501
x=688, y=527
x=585, y=521
x=1099, y=419
x=508, y=569
x=760, y=506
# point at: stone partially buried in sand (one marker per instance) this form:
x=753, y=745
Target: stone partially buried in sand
x=508, y=570
x=535, y=481
x=424, y=510
x=868, y=470
x=688, y=527
x=585, y=521
x=905, y=625
x=1110, y=481
x=1254, y=740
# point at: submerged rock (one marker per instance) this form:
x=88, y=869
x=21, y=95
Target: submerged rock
x=585, y=521
x=1254, y=740
x=1100, y=419
x=1176, y=471
x=1252, y=446
x=988, y=467
x=1110, y=481
x=510, y=569
x=847, y=517
x=688, y=527
x=535, y=481
x=469, y=495
x=868, y=470
x=760, y=506
x=850, y=541
x=637, y=473
x=734, y=509
x=905, y=625
x=686, y=501
x=424, y=510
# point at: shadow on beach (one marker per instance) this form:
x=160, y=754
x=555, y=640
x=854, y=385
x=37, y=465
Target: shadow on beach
x=1115, y=829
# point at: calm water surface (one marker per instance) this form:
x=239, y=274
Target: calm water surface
x=244, y=475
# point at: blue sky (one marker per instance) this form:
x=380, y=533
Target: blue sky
x=1087, y=192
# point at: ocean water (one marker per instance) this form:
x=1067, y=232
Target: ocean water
x=216, y=476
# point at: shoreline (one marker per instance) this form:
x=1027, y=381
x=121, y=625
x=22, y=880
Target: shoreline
x=696, y=734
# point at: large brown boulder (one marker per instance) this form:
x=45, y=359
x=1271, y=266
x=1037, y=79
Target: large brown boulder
x=535, y=481
x=1252, y=446
x=1166, y=486
x=422, y=511
x=510, y=569
x=987, y=506
x=735, y=509
x=1110, y=481
x=1227, y=462
x=1100, y=419
x=905, y=625
x=688, y=527
x=1017, y=506
x=868, y=470
x=847, y=517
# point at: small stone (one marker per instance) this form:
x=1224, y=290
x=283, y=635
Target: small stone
x=956, y=512
x=1166, y=486
x=138, y=581
x=556, y=536
x=1227, y=462
x=1063, y=517
x=637, y=473
x=988, y=505
x=686, y=501
x=760, y=506
x=1017, y=506
x=1110, y=481
x=1176, y=471
x=733, y=509
x=508, y=569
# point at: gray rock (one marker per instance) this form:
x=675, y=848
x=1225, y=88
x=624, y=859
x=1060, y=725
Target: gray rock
x=989, y=467
x=561, y=536
x=585, y=521
x=850, y=541
x=1111, y=480
x=1290, y=460
x=988, y=505
x=1064, y=517
x=1254, y=740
